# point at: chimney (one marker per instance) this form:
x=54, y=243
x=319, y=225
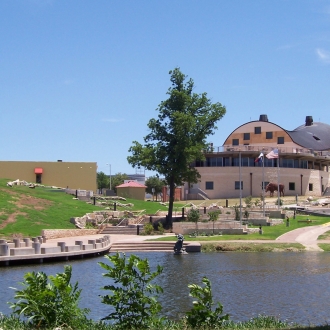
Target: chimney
x=309, y=121
x=263, y=118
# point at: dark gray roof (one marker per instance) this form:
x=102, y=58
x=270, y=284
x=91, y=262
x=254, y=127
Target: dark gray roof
x=315, y=136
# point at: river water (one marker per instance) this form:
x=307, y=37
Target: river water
x=291, y=286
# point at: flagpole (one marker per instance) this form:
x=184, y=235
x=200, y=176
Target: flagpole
x=240, y=191
x=278, y=180
x=263, y=185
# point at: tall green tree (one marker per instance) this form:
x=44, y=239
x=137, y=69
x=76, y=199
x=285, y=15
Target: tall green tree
x=178, y=136
x=155, y=183
x=102, y=180
x=117, y=180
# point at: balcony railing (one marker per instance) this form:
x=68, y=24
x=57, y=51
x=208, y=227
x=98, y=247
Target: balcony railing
x=265, y=150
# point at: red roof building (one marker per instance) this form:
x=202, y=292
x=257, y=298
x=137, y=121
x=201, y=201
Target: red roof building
x=132, y=189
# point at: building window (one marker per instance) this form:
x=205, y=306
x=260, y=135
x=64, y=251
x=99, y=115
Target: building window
x=209, y=185
x=246, y=136
x=269, y=135
x=280, y=140
x=237, y=185
x=257, y=130
x=226, y=161
x=292, y=186
x=310, y=187
x=235, y=142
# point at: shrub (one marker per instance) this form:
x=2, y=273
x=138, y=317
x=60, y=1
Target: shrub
x=201, y=313
x=193, y=216
x=160, y=228
x=248, y=201
x=49, y=304
x=213, y=216
x=131, y=293
x=148, y=228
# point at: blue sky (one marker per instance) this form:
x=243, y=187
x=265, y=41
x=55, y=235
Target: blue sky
x=81, y=79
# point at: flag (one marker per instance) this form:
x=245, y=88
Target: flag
x=260, y=158
x=273, y=154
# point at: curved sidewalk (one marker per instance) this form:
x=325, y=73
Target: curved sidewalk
x=306, y=236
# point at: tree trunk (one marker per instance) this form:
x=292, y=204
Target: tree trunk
x=170, y=205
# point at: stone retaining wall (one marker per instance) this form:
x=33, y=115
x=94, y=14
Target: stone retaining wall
x=229, y=228
x=59, y=233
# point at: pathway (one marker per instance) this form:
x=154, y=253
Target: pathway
x=306, y=236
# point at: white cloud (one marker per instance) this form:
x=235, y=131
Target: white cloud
x=113, y=120
x=323, y=55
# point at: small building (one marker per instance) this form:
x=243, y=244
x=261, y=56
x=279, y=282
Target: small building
x=72, y=175
x=132, y=189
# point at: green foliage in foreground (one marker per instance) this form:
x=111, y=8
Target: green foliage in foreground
x=132, y=295
x=261, y=322
x=53, y=305
x=202, y=314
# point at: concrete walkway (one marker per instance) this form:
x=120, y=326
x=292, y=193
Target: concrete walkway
x=306, y=236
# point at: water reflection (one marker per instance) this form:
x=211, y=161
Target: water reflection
x=293, y=286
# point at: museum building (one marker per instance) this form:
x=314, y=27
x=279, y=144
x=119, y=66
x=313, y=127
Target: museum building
x=302, y=164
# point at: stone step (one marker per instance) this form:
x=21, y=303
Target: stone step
x=121, y=230
x=142, y=246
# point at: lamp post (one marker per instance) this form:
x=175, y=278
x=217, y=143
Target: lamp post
x=110, y=175
x=240, y=189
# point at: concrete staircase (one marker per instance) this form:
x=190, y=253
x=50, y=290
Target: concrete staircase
x=122, y=230
x=143, y=246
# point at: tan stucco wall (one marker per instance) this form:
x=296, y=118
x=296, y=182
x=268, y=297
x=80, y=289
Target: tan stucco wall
x=75, y=175
x=260, y=139
x=131, y=192
x=224, y=181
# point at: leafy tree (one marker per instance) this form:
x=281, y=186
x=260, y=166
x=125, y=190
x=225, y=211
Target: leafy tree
x=131, y=293
x=117, y=180
x=155, y=183
x=102, y=180
x=51, y=303
x=214, y=216
x=178, y=137
x=193, y=216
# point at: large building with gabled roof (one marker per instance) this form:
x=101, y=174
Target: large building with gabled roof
x=302, y=166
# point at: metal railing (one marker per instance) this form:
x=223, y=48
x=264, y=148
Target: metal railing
x=265, y=149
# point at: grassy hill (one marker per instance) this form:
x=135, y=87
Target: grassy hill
x=27, y=211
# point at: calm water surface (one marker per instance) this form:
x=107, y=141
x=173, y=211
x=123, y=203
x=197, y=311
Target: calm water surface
x=292, y=286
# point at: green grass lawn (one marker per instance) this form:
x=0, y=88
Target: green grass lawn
x=28, y=211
